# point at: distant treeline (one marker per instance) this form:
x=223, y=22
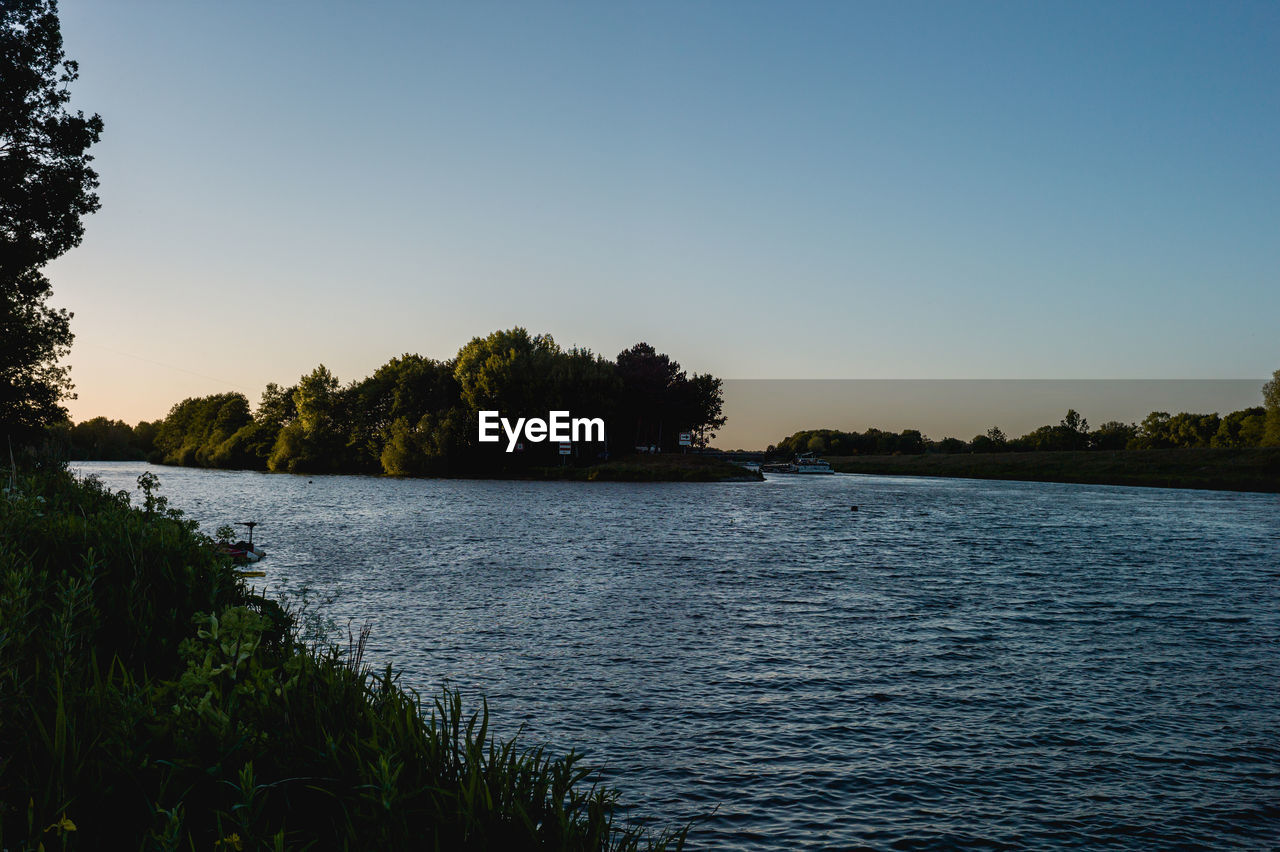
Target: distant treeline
x=417, y=416
x=1249, y=427
x=101, y=439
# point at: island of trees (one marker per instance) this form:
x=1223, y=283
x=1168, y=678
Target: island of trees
x=416, y=416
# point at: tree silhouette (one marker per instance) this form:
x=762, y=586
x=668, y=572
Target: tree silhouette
x=46, y=186
x=1271, y=403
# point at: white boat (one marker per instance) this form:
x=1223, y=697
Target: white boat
x=809, y=463
x=803, y=463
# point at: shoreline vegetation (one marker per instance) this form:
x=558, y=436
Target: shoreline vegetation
x=419, y=417
x=1249, y=469
x=1236, y=452
x=153, y=700
x=365, y=427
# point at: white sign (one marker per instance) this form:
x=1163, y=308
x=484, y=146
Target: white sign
x=686, y=439
x=558, y=426
x=566, y=448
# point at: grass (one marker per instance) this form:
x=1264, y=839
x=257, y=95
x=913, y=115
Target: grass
x=150, y=700
x=1253, y=469
x=666, y=467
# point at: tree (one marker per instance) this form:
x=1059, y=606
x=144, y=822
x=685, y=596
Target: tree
x=652, y=386
x=1046, y=439
x=1112, y=435
x=101, y=439
x=1242, y=428
x=46, y=186
x=1193, y=430
x=404, y=389
x=196, y=429
x=315, y=440
x=706, y=414
x=1153, y=433
x=144, y=437
x=950, y=446
x=1075, y=431
x=994, y=441
x=507, y=371
x=1271, y=402
x=404, y=451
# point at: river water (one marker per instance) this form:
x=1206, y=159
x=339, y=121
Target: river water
x=956, y=665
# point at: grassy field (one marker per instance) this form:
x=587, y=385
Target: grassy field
x=668, y=467
x=1255, y=469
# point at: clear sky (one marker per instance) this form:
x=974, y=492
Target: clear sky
x=763, y=190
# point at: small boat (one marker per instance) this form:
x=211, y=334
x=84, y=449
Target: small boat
x=803, y=463
x=244, y=552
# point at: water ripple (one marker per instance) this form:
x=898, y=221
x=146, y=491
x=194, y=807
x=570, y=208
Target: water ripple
x=959, y=665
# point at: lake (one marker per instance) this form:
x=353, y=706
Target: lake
x=959, y=664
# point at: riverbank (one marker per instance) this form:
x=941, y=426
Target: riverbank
x=1252, y=469
x=668, y=467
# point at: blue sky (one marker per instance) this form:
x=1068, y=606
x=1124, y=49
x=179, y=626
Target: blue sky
x=763, y=190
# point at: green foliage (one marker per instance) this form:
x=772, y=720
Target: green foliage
x=1074, y=430
x=508, y=371
x=317, y=401
x=1071, y=433
x=101, y=439
x=277, y=408
x=1271, y=403
x=982, y=444
x=251, y=445
x=148, y=700
x=1153, y=433
x=47, y=186
x=1112, y=435
x=199, y=431
x=1244, y=428
x=418, y=417
x=144, y=436
x=1160, y=431
x=404, y=452
x=432, y=447
x=1193, y=430
x=447, y=442
x=949, y=446
x=407, y=388
x=994, y=441
x=314, y=440
x=838, y=443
